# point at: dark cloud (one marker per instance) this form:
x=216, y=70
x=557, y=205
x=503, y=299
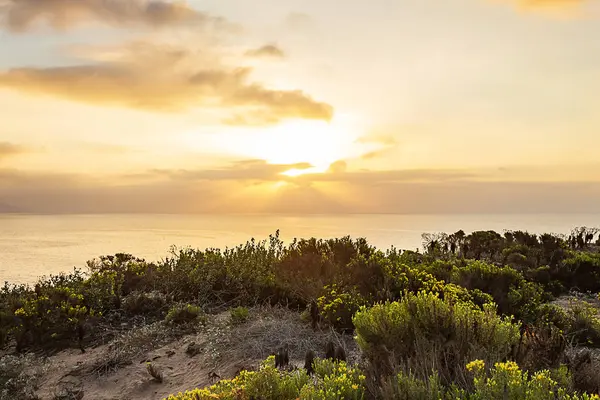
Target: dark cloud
x=168, y=79
x=269, y=50
x=10, y=149
x=22, y=15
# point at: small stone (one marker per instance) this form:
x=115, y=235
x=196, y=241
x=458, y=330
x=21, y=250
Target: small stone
x=193, y=349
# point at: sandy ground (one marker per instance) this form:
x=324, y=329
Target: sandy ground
x=70, y=374
x=70, y=371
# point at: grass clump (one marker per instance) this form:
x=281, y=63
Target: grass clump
x=154, y=372
x=184, y=314
x=239, y=315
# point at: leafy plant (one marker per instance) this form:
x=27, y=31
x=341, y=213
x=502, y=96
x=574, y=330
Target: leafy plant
x=239, y=315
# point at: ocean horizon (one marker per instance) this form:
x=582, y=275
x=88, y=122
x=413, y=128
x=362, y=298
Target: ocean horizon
x=33, y=245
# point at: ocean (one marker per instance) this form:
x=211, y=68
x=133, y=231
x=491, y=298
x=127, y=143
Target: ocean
x=36, y=245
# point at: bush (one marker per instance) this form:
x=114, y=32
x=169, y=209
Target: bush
x=504, y=381
x=422, y=332
x=585, y=324
x=183, y=314
x=332, y=381
x=507, y=381
x=140, y=303
x=338, y=308
x=511, y=292
x=239, y=315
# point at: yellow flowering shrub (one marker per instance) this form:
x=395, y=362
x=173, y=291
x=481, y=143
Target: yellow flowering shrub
x=332, y=381
x=422, y=331
x=506, y=381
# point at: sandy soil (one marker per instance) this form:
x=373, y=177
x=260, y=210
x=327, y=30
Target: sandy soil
x=70, y=374
x=69, y=371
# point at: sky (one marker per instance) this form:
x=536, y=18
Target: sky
x=289, y=106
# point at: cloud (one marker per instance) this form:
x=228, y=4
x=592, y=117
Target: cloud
x=300, y=22
x=240, y=171
x=269, y=50
x=228, y=190
x=10, y=149
x=165, y=78
x=23, y=15
x=556, y=8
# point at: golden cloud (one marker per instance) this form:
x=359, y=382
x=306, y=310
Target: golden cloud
x=10, y=149
x=167, y=79
x=22, y=15
x=229, y=190
x=556, y=8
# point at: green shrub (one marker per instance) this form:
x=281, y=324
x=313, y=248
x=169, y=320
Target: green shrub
x=505, y=381
x=183, y=314
x=511, y=292
x=580, y=271
x=422, y=332
x=333, y=381
x=338, y=307
x=585, y=324
x=239, y=315
x=455, y=293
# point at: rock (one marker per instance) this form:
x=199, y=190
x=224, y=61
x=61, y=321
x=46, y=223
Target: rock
x=170, y=353
x=193, y=349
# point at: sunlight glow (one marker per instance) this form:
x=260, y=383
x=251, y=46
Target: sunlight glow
x=297, y=172
x=316, y=143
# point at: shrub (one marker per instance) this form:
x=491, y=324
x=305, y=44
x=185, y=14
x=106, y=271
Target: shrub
x=511, y=292
x=239, y=315
x=585, y=324
x=454, y=293
x=335, y=380
x=505, y=381
x=140, y=303
x=332, y=381
x=183, y=314
x=422, y=332
x=338, y=307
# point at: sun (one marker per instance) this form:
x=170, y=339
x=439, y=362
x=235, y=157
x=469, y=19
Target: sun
x=317, y=143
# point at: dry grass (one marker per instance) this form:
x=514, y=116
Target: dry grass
x=268, y=328
x=19, y=376
x=133, y=344
x=154, y=372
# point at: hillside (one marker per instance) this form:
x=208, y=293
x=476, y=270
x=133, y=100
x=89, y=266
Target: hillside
x=479, y=315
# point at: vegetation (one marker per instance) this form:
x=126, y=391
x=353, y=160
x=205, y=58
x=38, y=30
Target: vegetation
x=472, y=316
x=239, y=315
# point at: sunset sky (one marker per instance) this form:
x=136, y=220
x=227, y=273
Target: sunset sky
x=260, y=106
